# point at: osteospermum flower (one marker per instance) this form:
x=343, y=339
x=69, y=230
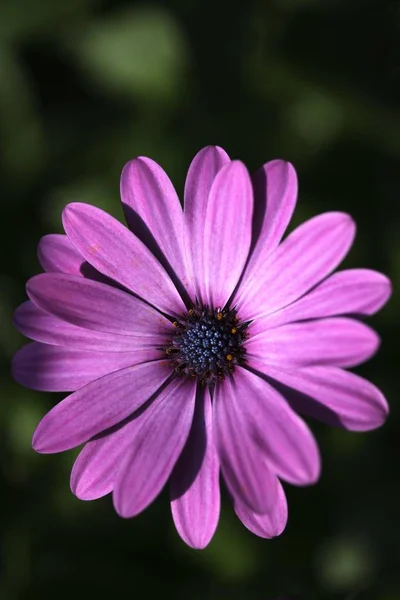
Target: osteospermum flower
x=191, y=340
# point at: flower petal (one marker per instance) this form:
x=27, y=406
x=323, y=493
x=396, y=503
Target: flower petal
x=338, y=341
x=93, y=305
x=202, y=172
x=56, y=254
x=39, y=325
x=269, y=525
x=353, y=291
x=114, y=251
x=97, y=466
x=154, y=214
x=280, y=435
x=275, y=195
x=155, y=449
x=332, y=395
x=227, y=232
x=98, y=406
x=56, y=369
x=246, y=474
x=303, y=259
x=195, y=496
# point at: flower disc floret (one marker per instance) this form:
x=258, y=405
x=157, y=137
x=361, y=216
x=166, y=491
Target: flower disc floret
x=208, y=344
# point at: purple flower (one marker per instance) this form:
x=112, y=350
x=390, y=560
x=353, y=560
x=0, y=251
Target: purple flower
x=191, y=340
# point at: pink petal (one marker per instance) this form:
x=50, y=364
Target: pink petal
x=114, y=251
x=57, y=255
x=275, y=194
x=246, y=474
x=154, y=214
x=195, y=502
x=269, y=525
x=328, y=392
x=303, y=259
x=281, y=435
x=43, y=327
x=155, y=449
x=227, y=234
x=353, y=291
x=202, y=172
x=338, y=341
x=93, y=305
x=97, y=466
x=98, y=406
x=56, y=369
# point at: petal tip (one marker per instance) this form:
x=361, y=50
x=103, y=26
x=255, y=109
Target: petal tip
x=70, y=208
x=194, y=536
x=37, y=443
x=314, y=467
x=74, y=485
x=40, y=440
x=381, y=413
x=236, y=167
x=388, y=289
x=17, y=368
x=34, y=286
x=138, y=160
x=212, y=151
x=311, y=471
x=121, y=507
x=81, y=491
x=315, y=473
x=73, y=211
x=349, y=222
x=197, y=544
x=338, y=219
x=197, y=540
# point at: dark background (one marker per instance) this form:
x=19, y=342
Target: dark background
x=85, y=85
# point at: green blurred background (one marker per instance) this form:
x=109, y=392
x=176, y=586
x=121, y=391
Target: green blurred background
x=85, y=85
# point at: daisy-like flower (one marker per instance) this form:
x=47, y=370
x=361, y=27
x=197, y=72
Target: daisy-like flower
x=192, y=339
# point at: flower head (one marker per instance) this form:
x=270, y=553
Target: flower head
x=191, y=339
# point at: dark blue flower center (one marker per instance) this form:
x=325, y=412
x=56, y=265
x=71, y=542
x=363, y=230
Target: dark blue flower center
x=208, y=344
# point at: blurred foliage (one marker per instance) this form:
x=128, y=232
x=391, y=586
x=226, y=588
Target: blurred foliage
x=84, y=86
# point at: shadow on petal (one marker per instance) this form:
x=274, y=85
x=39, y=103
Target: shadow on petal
x=141, y=231
x=195, y=449
x=302, y=403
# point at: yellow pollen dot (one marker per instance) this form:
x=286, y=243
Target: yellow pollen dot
x=191, y=312
x=219, y=316
x=233, y=330
x=229, y=357
x=175, y=323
